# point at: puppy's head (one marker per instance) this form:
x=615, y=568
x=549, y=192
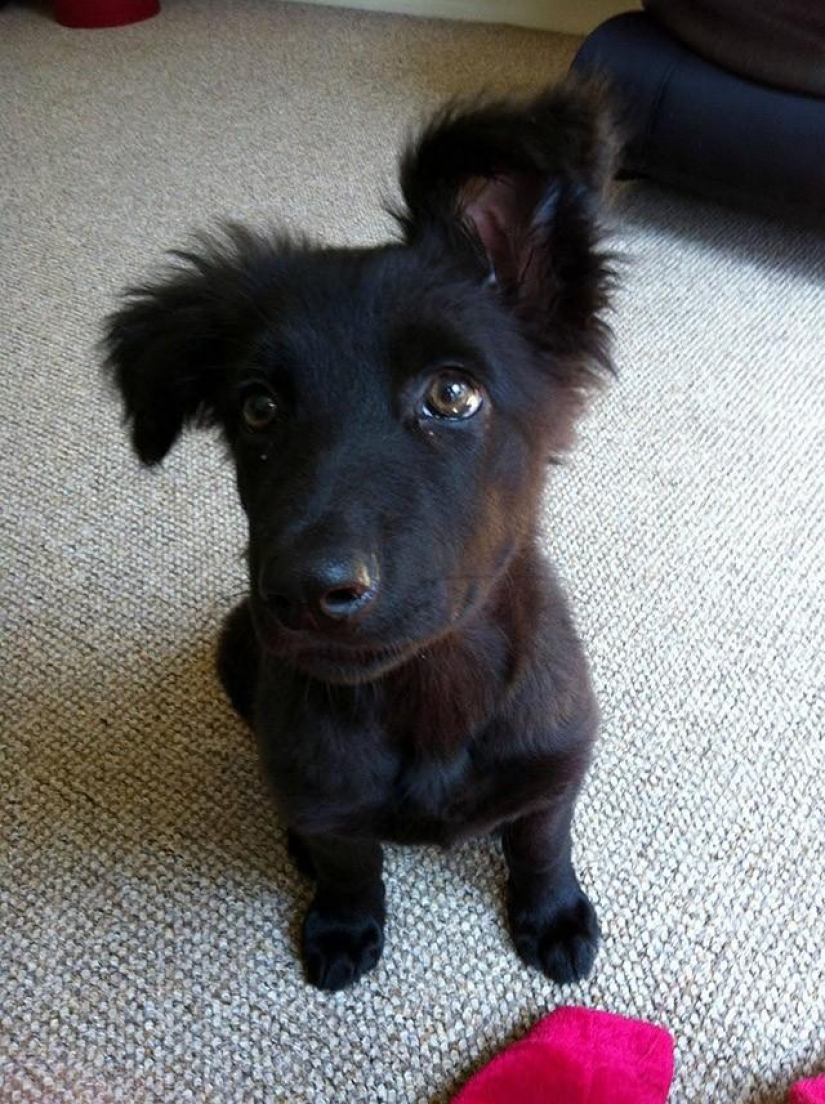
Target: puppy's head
x=390, y=411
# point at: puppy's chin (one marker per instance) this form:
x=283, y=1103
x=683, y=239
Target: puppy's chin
x=326, y=660
x=347, y=666
x=348, y=662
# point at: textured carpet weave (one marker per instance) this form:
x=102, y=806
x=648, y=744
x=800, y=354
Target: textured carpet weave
x=148, y=913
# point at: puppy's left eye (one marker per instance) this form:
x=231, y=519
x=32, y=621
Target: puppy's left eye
x=259, y=410
x=452, y=395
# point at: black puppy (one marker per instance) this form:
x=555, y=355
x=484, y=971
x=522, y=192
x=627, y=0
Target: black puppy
x=405, y=656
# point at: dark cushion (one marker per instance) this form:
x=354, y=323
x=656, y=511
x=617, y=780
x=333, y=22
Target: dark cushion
x=690, y=123
x=779, y=42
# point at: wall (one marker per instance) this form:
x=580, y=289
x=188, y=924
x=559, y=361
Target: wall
x=568, y=16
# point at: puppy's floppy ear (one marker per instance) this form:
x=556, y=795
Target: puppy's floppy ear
x=168, y=348
x=517, y=188
x=159, y=351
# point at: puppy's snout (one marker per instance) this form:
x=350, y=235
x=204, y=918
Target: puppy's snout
x=320, y=592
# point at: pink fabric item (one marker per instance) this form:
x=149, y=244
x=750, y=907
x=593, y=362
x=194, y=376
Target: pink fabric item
x=808, y=1092
x=579, y=1056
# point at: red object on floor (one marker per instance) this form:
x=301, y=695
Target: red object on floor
x=103, y=13
x=579, y=1056
x=811, y=1091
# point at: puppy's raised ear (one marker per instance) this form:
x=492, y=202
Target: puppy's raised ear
x=517, y=189
x=169, y=347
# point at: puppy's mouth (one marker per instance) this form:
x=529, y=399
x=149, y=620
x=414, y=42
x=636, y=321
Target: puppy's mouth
x=332, y=661
x=336, y=657
x=339, y=664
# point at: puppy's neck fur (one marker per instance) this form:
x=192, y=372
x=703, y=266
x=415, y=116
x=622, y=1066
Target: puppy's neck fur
x=455, y=685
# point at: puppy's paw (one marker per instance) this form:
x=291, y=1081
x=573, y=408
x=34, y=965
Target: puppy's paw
x=300, y=854
x=237, y=661
x=561, y=940
x=338, y=947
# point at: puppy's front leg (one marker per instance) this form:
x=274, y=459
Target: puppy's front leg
x=343, y=933
x=553, y=924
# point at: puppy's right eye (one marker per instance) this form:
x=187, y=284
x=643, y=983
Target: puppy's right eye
x=259, y=411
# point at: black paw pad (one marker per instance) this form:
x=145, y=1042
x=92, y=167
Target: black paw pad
x=339, y=947
x=560, y=940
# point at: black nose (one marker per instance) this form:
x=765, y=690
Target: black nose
x=313, y=594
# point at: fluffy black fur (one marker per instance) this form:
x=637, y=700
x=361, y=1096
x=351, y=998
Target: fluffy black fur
x=405, y=655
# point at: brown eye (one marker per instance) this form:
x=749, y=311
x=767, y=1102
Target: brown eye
x=259, y=410
x=452, y=395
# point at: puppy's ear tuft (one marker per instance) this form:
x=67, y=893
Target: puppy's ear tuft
x=518, y=189
x=169, y=346
x=158, y=350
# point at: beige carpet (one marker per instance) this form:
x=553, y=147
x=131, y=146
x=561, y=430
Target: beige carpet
x=148, y=913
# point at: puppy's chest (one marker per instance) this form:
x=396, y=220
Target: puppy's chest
x=405, y=764
x=372, y=783
x=426, y=795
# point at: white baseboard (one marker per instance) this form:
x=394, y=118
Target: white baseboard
x=566, y=16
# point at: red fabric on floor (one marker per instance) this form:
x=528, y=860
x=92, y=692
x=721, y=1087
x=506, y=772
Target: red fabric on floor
x=579, y=1056
x=811, y=1091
